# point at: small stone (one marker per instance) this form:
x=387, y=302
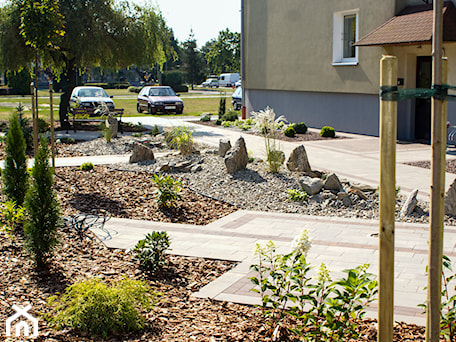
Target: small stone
x=410, y=204
x=311, y=185
x=298, y=160
x=141, y=153
x=224, y=146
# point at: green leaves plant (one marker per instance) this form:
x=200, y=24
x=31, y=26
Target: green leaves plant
x=151, y=251
x=168, y=190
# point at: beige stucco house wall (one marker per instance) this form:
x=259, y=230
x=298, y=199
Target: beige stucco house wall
x=290, y=64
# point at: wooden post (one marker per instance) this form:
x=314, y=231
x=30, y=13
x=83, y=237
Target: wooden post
x=51, y=106
x=438, y=145
x=35, y=127
x=388, y=133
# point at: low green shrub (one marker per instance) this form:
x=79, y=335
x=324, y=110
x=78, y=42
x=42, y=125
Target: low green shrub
x=43, y=126
x=137, y=135
x=227, y=123
x=300, y=127
x=289, y=132
x=11, y=216
x=297, y=195
x=86, y=166
x=95, y=308
x=205, y=118
x=230, y=115
x=168, y=190
x=218, y=122
x=327, y=132
x=181, y=138
x=155, y=131
x=132, y=89
x=275, y=160
x=151, y=251
x=180, y=88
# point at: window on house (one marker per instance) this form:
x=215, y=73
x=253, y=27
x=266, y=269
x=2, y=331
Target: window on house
x=345, y=36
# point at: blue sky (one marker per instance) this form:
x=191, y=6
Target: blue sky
x=205, y=17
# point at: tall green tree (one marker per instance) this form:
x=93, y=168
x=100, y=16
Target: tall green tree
x=42, y=208
x=14, y=175
x=224, y=54
x=193, y=61
x=106, y=33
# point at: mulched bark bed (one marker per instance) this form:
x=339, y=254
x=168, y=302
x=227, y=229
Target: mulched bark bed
x=308, y=136
x=450, y=165
x=177, y=316
x=131, y=195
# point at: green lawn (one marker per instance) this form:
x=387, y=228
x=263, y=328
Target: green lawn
x=195, y=104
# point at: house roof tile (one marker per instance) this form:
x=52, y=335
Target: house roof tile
x=413, y=25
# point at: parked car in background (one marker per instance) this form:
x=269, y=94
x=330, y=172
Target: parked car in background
x=159, y=99
x=211, y=83
x=228, y=80
x=90, y=97
x=237, y=99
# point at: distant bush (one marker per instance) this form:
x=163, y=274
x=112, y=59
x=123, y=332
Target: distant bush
x=180, y=88
x=205, y=118
x=327, y=132
x=300, y=127
x=86, y=166
x=19, y=81
x=230, y=115
x=218, y=122
x=109, y=85
x=172, y=78
x=94, y=308
x=132, y=89
x=289, y=132
x=155, y=131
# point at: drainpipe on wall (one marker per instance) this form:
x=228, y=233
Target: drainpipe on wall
x=243, y=111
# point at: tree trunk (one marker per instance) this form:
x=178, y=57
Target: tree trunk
x=70, y=78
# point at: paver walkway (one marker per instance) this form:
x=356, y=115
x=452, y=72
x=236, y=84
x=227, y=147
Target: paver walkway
x=339, y=243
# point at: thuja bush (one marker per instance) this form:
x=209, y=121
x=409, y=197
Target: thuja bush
x=222, y=105
x=87, y=166
x=327, y=132
x=289, y=132
x=324, y=310
x=300, y=127
x=151, y=251
x=14, y=175
x=93, y=307
x=42, y=208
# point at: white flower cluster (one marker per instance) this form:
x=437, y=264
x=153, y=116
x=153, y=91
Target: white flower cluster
x=301, y=243
x=323, y=275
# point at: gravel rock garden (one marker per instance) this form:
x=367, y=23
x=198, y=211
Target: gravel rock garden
x=209, y=192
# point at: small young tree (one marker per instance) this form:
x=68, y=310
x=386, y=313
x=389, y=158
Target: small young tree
x=43, y=209
x=15, y=176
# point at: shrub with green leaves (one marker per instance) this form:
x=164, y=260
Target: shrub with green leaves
x=297, y=195
x=327, y=132
x=155, y=131
x=181, y=138
x=151, y=251
x=86, y=166
x=168, y=190
x=218, y=122
x=323, y=310
x=15, y=175
x=289, y=132
x=11, y=216
x=448, y=301
x=205, y=118
x=230, y=115
x=43, y=209
x=95, y=308
x=300, y=127
x=222, y=105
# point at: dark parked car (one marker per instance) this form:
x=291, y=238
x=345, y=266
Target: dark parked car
x=237, y=99
x=154, y=99
x=90, y=97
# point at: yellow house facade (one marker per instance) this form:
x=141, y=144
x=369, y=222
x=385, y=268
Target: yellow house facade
x=302, y=58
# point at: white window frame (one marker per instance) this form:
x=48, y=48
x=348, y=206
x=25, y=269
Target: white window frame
x=338, y=38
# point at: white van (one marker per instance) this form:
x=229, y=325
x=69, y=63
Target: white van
x=228, y=80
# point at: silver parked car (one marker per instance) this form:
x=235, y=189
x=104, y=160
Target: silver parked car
x=90, y=97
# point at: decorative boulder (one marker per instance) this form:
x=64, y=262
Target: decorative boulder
x=236, y=159
x=113, y=125
x=141, y=153
x=311, y=185
x=332, y=183
x=224, y=146
x=298, y=160
x=410, y=204
x=450, y=200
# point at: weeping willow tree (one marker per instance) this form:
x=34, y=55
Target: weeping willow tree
x=97, y=33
